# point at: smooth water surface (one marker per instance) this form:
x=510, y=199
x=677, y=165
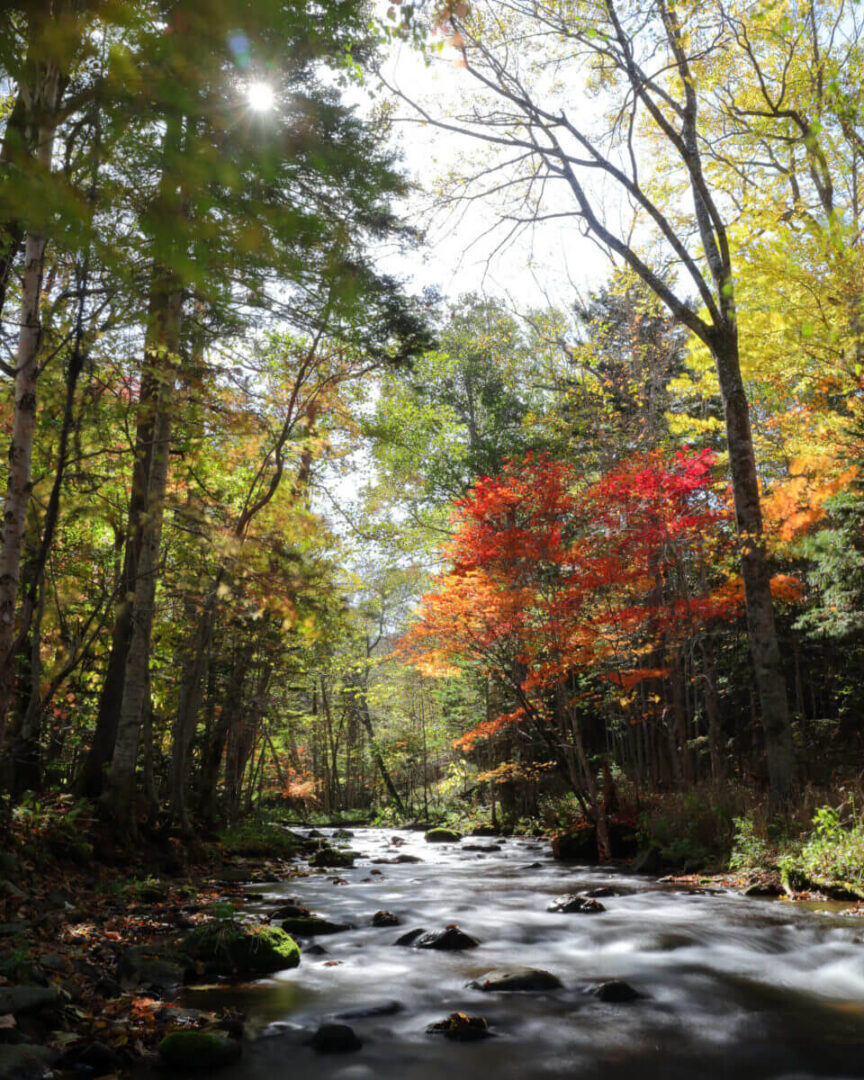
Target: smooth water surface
x=732, y=987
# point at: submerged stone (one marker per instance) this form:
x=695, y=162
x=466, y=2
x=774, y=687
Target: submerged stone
x=314, y=925
x=616, y=992
x=335, y=1039
x=526, y=980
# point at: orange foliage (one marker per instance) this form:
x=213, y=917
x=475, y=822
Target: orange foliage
x=551, y=575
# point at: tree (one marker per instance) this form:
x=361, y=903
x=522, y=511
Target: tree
x=551, y=579
x=649, y=140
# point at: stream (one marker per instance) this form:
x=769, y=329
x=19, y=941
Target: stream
x=732, y=987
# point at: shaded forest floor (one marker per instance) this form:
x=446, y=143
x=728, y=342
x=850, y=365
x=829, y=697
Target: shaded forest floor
x=92, y=940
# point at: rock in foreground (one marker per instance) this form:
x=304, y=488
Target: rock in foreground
x=229, y=947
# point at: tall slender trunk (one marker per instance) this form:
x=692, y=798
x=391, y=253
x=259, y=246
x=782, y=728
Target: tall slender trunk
x=764, y=646
x=165, y=326
x=43, y=117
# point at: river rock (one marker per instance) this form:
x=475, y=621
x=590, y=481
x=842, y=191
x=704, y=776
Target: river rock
x=409, y=938
x=526, y=980
x=604, y=891
x=315, y=950
x=198, y=1050
x=442, y=836
x=450, y=939
x=335, y=1039
x=27, y=999
x=397, y=859
x=226, y=946
x=615, y=992
x=330, y=857
x=458, y=1027
x=385, y=918
x=140, y=966
x=24, y=1061
x=342, y=834
x=314, y=925
x=572, y=904
x=289, y=911
x=480, y=847
x=386, y=1008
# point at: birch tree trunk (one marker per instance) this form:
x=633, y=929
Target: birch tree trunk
x=43, y=102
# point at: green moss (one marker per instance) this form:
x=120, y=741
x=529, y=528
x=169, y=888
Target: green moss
x=254, y=839
x=235, y=947
x=331, y=857
x=197, y=1050
x=442, y=836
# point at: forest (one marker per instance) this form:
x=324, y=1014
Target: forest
x=306, y=527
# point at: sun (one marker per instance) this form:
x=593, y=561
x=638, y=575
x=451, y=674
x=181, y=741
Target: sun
x=260, y=96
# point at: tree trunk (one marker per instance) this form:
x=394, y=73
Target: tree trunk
x=165, y=324
x=764, y=647
x=43, y=117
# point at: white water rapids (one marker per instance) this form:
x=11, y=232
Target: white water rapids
x=732, y=987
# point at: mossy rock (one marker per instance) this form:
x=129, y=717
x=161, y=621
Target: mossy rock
x=442, y=836
x=255, y=840
x=227, y=946
x=330, y=857
x=198, y=1050
x=311, y=925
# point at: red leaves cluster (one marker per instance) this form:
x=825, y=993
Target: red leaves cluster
x=552, y=574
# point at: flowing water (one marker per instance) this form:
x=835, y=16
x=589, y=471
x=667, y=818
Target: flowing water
x=732, y=987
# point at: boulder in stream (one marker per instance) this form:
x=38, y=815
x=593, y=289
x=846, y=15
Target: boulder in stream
x=385, y=918
x=314, y=925
x=330, y=857
x=335, y=1039
x=616, y=992
x=524, y=980
x=573, y=904
x=225, y=947
x=459, y=1027
x=396, y=860
x=442, y=836
x=450, y=939
x=409, y=938
x=289, y=911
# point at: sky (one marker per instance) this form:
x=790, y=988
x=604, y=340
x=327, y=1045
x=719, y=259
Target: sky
x=546, y=265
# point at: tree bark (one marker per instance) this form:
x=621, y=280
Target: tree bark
x=43, y=118
x=165, y=323
x=762, y=631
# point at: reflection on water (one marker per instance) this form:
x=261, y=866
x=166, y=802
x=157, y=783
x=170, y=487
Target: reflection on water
x=732, y=987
